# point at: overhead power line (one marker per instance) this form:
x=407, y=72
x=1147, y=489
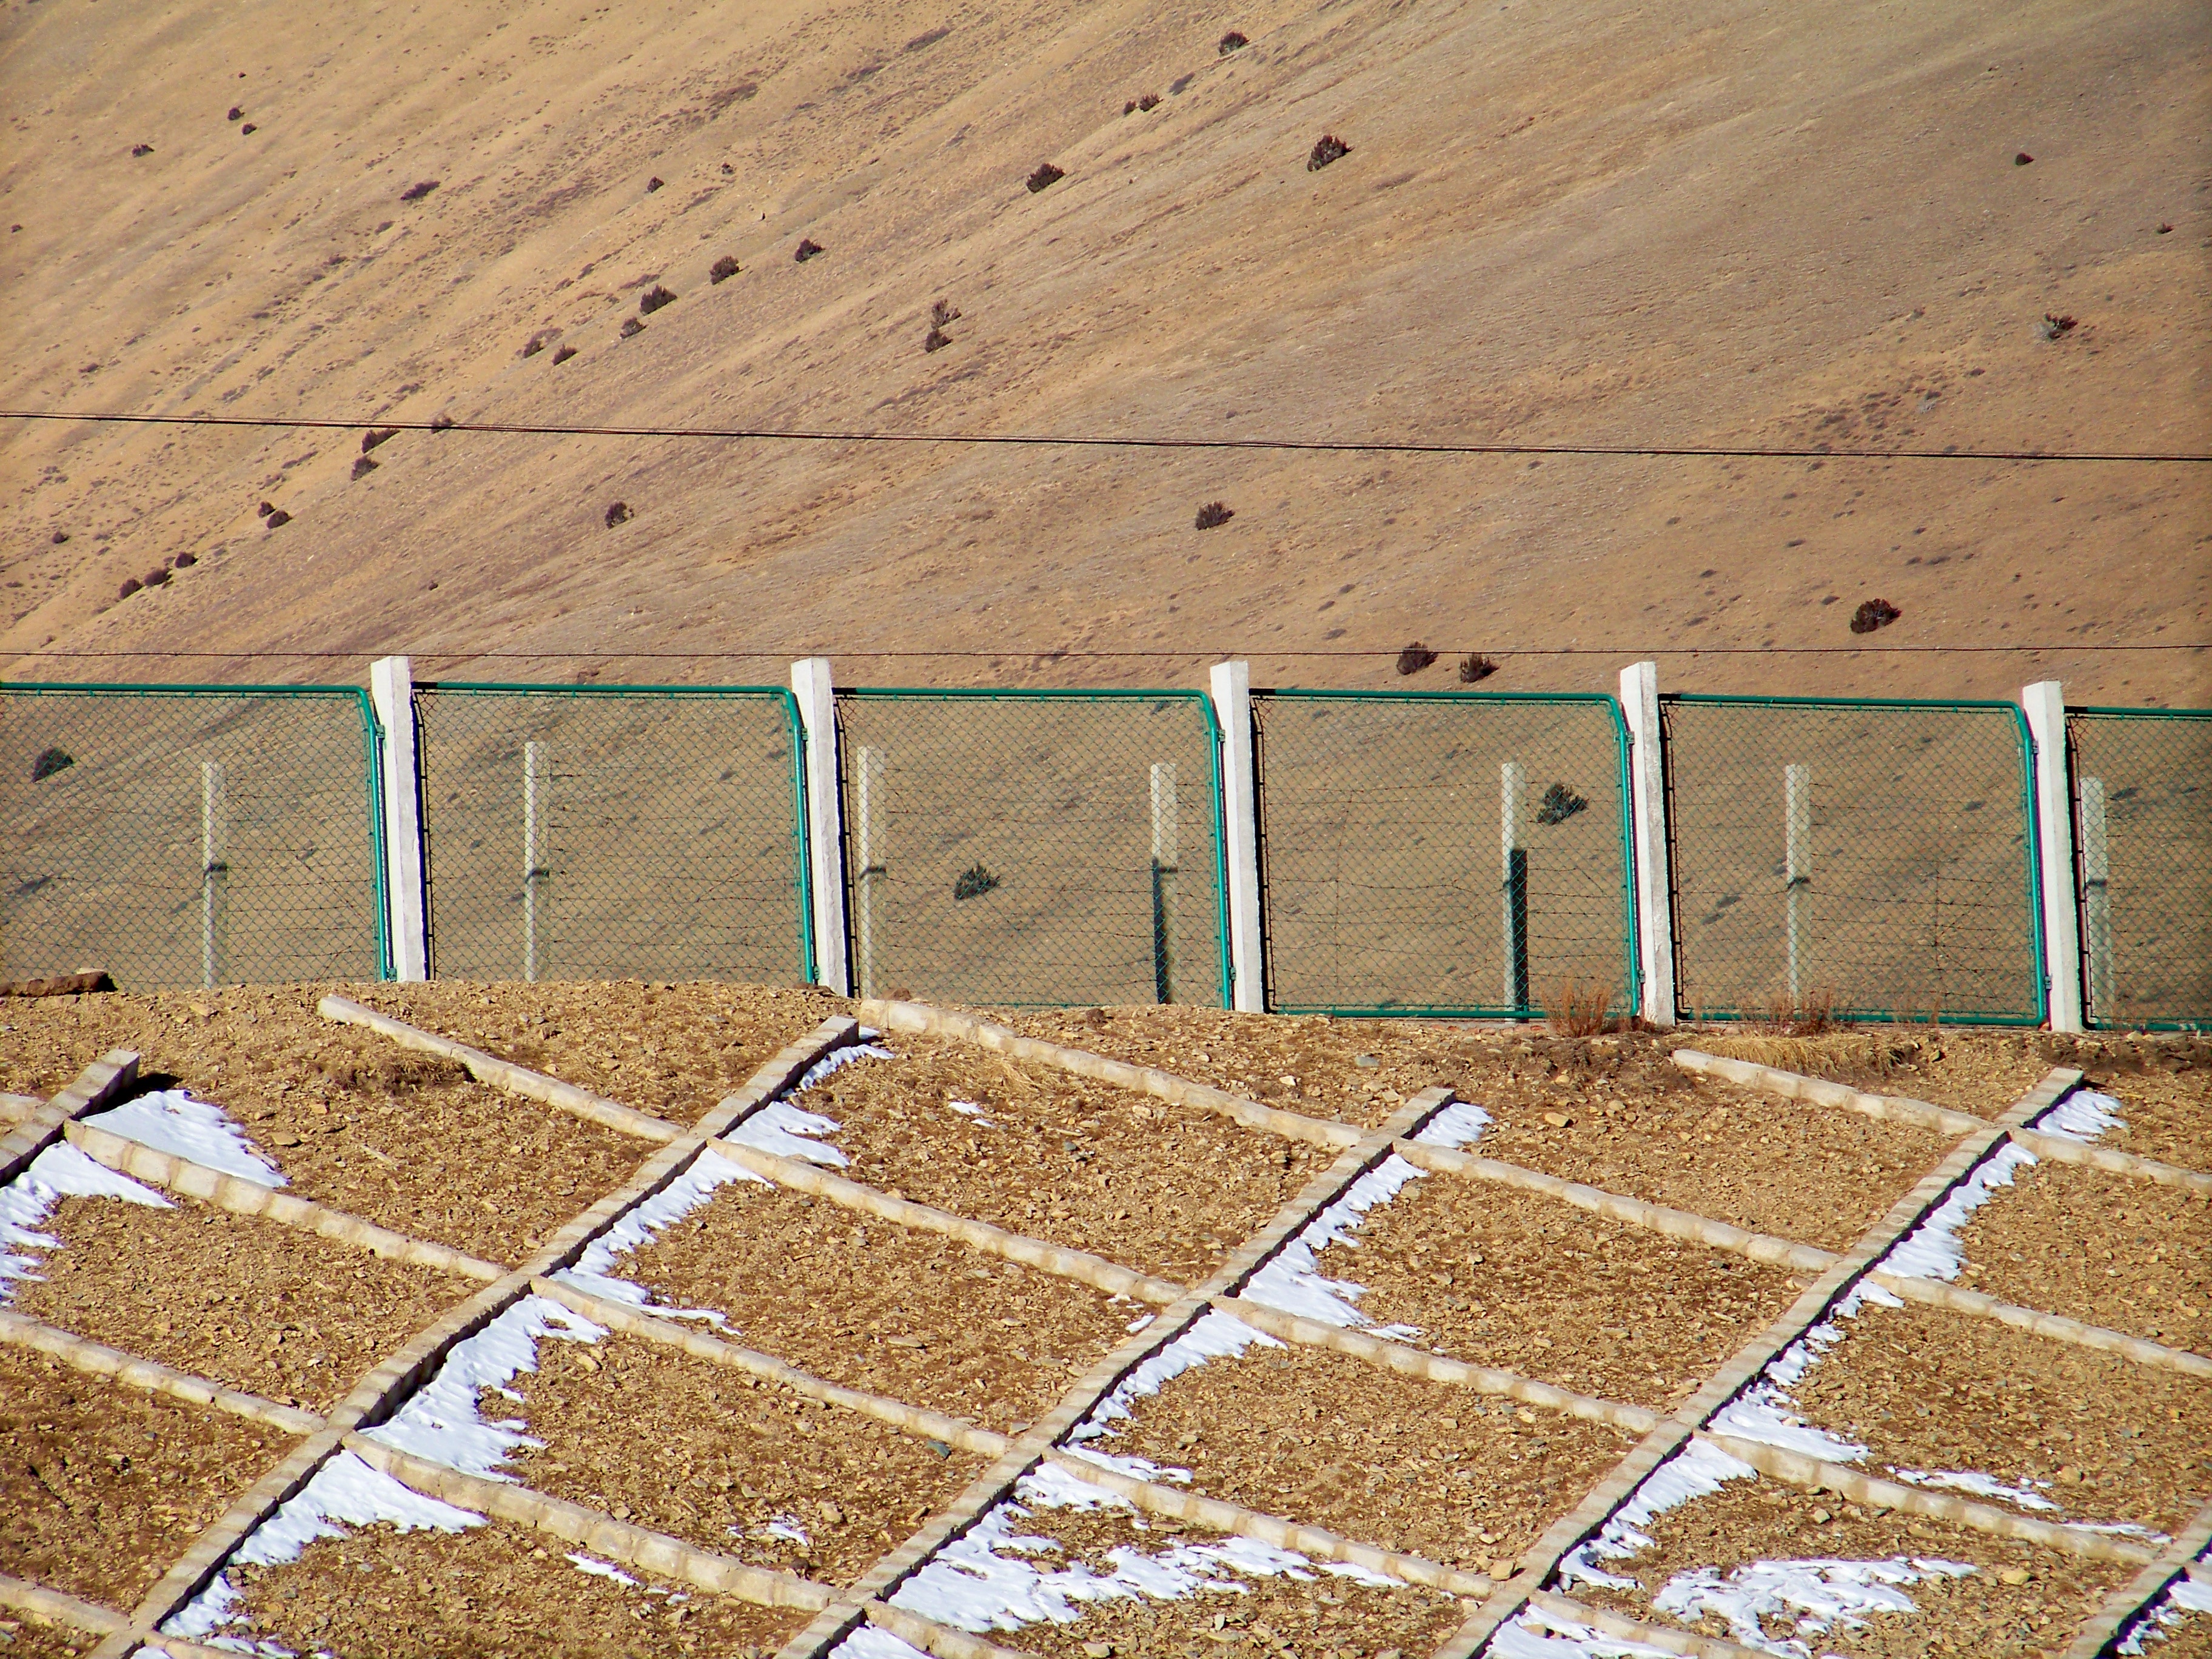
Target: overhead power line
x=1064, y=440
x=1057, y=655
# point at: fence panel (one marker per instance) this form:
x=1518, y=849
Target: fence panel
x=179, y=835
x=1875, y=858
x=581, y=833
x=1447, y=853
x=1034, y=849
x=2142, y=822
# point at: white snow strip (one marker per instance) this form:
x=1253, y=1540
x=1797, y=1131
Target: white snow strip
x=1137, y=1468
x=1290, y=1280
x=2184, y=1598
x=787, y=1527
x=784, y=1130
x=1456, y=1126
x=1812, y=1596
x=61, y=1172
x=441, y=1421
x=345, y=1493
x=837, y=1059
x=2083, y=1115
x=874, y=1642
x=1537, y=1634
x=199, y=1131
x=1697, y=1471
x=1213, y=1336
x=595, y=1268
x=1932, y=1250
x=1764, y=1412
x=599, y=1569
x=1979, y=1484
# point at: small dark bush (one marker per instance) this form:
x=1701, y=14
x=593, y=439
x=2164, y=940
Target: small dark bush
x=936, y=340
x=50, y=761
x=1149, y=100
x=265, y=509
x=441, y=422
x=1230, y=42
x=533, y=345
x=807, y=248
x=2054, y=326
x=375, y=435
x=1328, y=148
x=722, y=269
x=652, y=185
x=728, y=172
x=941, y=313
x=362, y=466
x=1874, y=613
x=1046, y=175
x=974, y=882
x=247, y=128
x=280, y=516
x=1129, y=108
x=1559, y=803
x=60, y=535
x=564, y=354
x=142, y=149
x=631, y=326
x=187, y=560
x=1213, y=513
x=156, y=578
x=234, y=113
x=619, y=512
x=1414, y=658
x=415, y=193
x=1475, y=669
x=2022, y=158
x=653, y=298
x=130, y=585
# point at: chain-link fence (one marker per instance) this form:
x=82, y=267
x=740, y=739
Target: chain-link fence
x=582, y=833
x=189, y=835
x=1034, y=849
x=1870, y=859
x=2142, y=849
x=1444, y=852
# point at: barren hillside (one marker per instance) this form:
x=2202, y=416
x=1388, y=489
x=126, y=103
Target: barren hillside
x=1713, y=223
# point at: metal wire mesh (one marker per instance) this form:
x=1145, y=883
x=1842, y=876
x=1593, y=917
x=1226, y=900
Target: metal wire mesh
x=1443, y=853
x=1033, y=848
x=2143, y=818
x=1873, y=860
x=584, y=833
x=190, y=836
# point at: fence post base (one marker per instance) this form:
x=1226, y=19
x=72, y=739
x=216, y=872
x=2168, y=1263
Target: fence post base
x=817, y=692
x=2045, y=705
x=1654, y=910
x=392, y=693
x=1232, y=686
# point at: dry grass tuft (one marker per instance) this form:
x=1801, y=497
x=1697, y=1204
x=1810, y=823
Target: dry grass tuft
x=1579, y=1007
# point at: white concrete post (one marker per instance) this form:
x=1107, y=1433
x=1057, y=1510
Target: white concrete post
x=1165, y=868
x=1240, y=829
x=392, y=693
x=537, y=783
x=868, y=800
x=1797, y=865
x=1647, y=776
x=2097, y=897
x=1513, y=884
x=810, y=683
x=2045, y=705
x=215, y=872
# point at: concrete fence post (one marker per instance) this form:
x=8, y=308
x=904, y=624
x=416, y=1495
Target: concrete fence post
x=392, y=694
x=215, y=873
x=2045, y=705
x=1232, y=686
x=1513, y=885
x=1647, y=807
x=817, y=693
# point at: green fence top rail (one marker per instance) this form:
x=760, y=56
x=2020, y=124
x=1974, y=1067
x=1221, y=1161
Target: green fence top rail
x=106, y=688
x=2142, y=713
x=1323, y=694
x=498, y=687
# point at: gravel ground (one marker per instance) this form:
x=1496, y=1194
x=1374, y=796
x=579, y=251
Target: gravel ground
x=29, y=1638
x=103, y=1485
x=2112, y=1250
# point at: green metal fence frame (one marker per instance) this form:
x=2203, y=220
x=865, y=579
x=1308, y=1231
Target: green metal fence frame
x=1608, y=702
x=372, y=731
x=2073, y=808
x=1107, y=694
x=2034, y=838
x=802, y=865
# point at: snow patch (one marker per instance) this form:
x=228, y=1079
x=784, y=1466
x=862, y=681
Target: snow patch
x=441, y=1421
x=874, y=1642
x=1812, y=1596
x=1537, y=1634
x=2083, y=1115
x=599, y=1569
x=2184, y=1598
x=1932, y=1250
x=1213, y=1336
x=1456, y=1126
x=1290, y=1279
x=785, y=1131
x=640, y=1226
x=1979, y=1485
x=61, y=1172
x=344, y=1494
x=970, y=1110
x=1698, y=1470
x=787, y=1527
x=199, y=1131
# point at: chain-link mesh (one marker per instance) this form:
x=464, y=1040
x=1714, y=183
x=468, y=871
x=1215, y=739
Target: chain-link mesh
x=2143, y=825
x=1443, y=853
x=1033, y=848
x=1872, y=860
x=572, y=833
x=188, y=837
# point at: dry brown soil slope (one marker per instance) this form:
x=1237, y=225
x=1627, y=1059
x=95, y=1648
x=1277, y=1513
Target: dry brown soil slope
x=1714, y=222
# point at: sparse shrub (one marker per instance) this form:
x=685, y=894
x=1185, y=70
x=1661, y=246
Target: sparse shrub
x=187, y=560
x=415, y=193
x=1213, y=513
x=974, y=882
x=1230, y=42
x=2054, y=326
x=2022, y=158
x=60, y=535
x=375, y=435
x=936, y=340
x=362, y=466
x=1149, y=100
x=1414, y=658
x=130, y=585
x=631, y=327
x=142, y=149
x=157, y=577
x=1811, y=1013
x=619, y=512
x=1559, y=803
x=1046, y=175
x=235, y=112
x=1129, y=108
x=653, y=298
x=807, y=248
x=1475, y=668
x=728, y=172
x=441, y=422
x=564, y=354
x=533, y=345
x=1579, y=1007
x=941, y=313
x=50, y=761
x=265, y=509
x=1874, y=613
x=722, y=269
x=247, y=128
x=1328, y=148
x=652, y=185
x=279, y=517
